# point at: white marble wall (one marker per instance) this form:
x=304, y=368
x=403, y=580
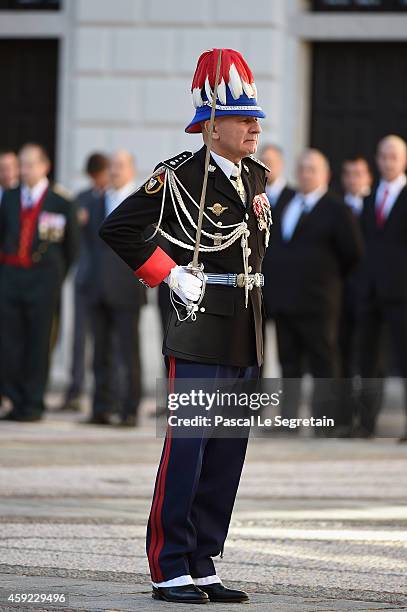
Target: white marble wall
x=132, y=65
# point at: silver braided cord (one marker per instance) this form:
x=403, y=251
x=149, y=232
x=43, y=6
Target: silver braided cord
x=184, y=209
x=176, y=198
x=240, y=231
x=156, y=173
x=178, y=182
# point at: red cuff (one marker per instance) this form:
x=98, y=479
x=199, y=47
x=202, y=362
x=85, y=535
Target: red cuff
x=156, y=268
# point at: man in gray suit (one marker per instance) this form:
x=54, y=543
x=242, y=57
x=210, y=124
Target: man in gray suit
x=97, y=169
x=116, y=298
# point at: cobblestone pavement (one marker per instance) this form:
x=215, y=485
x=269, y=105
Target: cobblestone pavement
x=319, y=525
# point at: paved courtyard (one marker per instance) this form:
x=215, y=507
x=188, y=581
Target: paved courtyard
x=319, y=525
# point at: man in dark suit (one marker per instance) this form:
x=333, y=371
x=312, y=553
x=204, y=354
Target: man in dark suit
x=384, y=281
x=115, y=299
x=315, y=242
x=38, y=243
x=9, y=178
x=356, y=183
x=277, y=189
x=279, y=194
x=97, y=169
x=9, y=171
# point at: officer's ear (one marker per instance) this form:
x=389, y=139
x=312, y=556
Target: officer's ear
x=205, y=131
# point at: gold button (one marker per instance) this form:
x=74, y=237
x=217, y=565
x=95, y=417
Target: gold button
x=36, y=257
x=202, y=309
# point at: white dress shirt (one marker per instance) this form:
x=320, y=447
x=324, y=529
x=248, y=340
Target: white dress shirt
x=114, y=197
x=273, y=190
x=355, y=202
x=394, y=188
x=230, y=170
x=227, y=166
x=300, y=203
x=31, y=195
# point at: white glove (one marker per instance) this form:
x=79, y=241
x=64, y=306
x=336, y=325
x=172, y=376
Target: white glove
x=185, y=284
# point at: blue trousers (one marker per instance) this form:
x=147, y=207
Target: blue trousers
x=195, y=489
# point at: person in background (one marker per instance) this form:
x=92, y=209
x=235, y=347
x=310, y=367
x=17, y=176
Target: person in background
x=277, y=189
x=38, y=244
x=116, y=298
x=315, y=242
x=384, y=278
x=278, y=193
x=9, y=178
x=356, y=179
x=9, y=171
x=97, y=169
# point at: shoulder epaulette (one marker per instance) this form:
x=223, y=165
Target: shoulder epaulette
x=62, y=191
x=176, y=162
x=260, y=163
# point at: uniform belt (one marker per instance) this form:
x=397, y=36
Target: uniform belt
x=235, y=280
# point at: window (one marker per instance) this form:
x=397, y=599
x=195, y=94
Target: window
x=360, y=5
x=30, y=5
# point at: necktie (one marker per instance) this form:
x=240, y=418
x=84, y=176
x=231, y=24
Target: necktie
x=380, y=217
x=29, y=202
x=354, y=202
x=238, y=183
x=295, y=220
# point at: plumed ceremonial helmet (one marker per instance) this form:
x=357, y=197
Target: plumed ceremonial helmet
x=237, y=91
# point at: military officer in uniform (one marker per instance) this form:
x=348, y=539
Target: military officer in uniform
x=198, y=478
x=38, y=242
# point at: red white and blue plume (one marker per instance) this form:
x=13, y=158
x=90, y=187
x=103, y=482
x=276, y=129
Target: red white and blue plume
x=236, y=93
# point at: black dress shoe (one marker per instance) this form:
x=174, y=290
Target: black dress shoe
x=13, y=415
x=30, y=417
x=101, y=419
x=362, y=432
x=342, y=431
x=221, y=594
x=72, y=404
x=187, y=594
x=128, y=421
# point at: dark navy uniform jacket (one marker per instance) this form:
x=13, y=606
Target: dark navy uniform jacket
x=224, y=332
x=53, y=247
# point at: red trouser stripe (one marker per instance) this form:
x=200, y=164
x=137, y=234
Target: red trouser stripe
x=157, y=532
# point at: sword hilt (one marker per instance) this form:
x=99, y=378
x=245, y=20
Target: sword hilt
x=199, y=273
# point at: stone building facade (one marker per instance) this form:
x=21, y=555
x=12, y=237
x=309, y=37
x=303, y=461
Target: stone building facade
x=125, y=67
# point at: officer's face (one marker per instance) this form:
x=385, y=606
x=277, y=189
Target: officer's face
x=33, y=166
x=391, y=159
x=236, y=136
